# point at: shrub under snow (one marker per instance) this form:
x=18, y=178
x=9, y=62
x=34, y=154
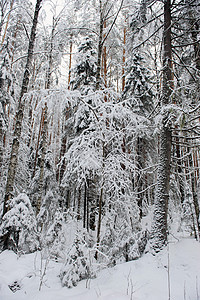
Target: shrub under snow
x=19, y=223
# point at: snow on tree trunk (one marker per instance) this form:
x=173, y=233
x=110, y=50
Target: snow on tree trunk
x=19, y=115
x=50, y=62
x=159, y=226
x=1, y=142
x=100, y=48
x=42, y=161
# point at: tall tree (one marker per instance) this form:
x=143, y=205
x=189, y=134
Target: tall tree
x=19, y=116
x=159, y=227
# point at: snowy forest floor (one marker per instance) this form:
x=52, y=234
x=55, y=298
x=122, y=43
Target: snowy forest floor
x=176, y=268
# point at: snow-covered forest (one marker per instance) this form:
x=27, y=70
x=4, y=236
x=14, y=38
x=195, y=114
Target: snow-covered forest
x=99, y=138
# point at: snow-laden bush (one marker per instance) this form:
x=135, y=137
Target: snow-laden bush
x=181, y=217
x=122, y=244
x=55, y=237
x=79, y=264
x=19, y=226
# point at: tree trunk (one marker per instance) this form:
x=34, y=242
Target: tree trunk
x=123, y=61
x=79, y=204
x=100, y=48
x=38, y=142
x=70, y=61
x=100, y=205
x=193, y=162
x=85, y=206
x=42, y=161
x=2, y=20
x=48, y=74
x=194, y=197
x=105, y=63
x=19, y=115
x=180, y=171
x=1, y=145
x=194, y=33
x=91, y=202
x=139, y=180
x=61, y=162
x=159, y=226
x=99, y=220
x=7, y=22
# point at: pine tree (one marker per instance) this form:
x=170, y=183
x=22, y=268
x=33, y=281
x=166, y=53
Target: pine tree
x=159, y=227
x=20, y=225
x=78, y=265
x=139, y=94
x=80, y=131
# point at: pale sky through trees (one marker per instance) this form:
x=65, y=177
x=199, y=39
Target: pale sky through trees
x=49, y=9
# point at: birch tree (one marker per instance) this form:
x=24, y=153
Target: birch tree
x=19, y=118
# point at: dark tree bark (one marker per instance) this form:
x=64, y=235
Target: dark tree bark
x=100, y=47
x=100, y=206
x=79, y=204
x=85, y=206
x=159, y=227
x=42, y=160
x=180, y=171
x=38, y=142
x=70, y=61
x=195, y=198
x=1, y=145
x=2, y=19
x=91, y=202
x=123, y=60
x=49, y=71
x=194, y=23
x=140, y=181
x=67, y=132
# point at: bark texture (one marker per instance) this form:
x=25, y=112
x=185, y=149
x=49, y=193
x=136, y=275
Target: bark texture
x=159, y=229
x=100, y=48
x=19, y=115
x=42, y=161
x=49, y=71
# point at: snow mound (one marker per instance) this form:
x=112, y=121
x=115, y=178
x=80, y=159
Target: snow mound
x=176, y=269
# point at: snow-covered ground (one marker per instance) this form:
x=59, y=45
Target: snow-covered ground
x=175, y=269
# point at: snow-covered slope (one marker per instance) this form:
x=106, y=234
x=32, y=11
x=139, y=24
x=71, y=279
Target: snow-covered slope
x=175, y=269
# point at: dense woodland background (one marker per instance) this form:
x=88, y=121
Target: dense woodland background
x=102, y=163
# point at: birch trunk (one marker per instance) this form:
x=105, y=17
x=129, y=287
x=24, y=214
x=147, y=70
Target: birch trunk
x=45, y=123
x=19, y=115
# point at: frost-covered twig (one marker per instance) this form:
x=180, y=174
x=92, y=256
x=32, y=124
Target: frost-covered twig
x=43, y=270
